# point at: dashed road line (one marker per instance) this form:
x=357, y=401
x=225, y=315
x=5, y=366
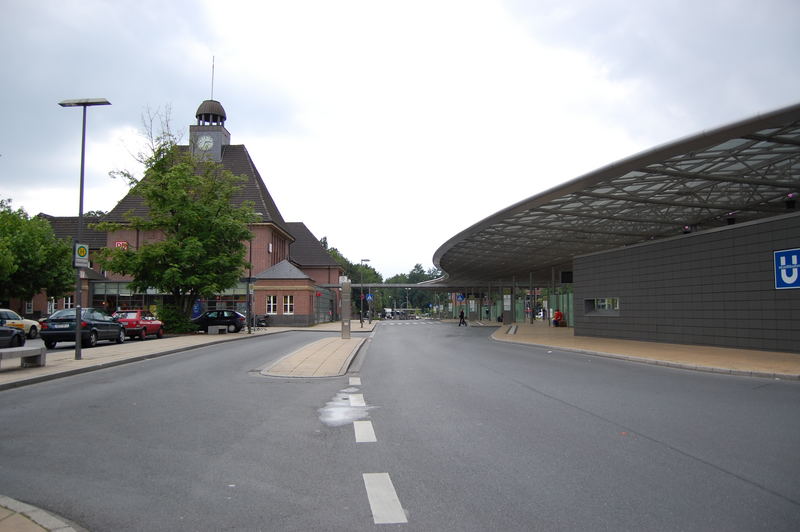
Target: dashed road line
x=355, y=381
x=364, y=432
x=357, y=399
x=383, y=500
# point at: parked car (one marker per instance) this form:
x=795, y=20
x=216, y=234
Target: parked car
x=140, y=323
x=11, y=336
x=13, y=319
x=96, y=325
x=230, y=318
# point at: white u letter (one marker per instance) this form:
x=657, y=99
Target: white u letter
x=789, y=278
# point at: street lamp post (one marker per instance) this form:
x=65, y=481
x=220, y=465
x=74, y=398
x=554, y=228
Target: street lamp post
x=86, y=102
x=362, y=290
x=250, y=317
x=407, y=307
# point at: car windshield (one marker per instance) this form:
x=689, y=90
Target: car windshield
x=64, y=313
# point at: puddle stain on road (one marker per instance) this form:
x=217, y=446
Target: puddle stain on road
x=338, y=411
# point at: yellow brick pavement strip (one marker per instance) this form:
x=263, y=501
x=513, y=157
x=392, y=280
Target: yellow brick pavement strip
x=328, y=357
x=16, y=516
x=750, y=362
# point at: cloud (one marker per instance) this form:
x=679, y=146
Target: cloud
x=388, y=127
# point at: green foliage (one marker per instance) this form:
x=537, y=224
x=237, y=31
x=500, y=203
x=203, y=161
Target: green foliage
x=202, y=251
x=175, y=320
x=386, y=297
x=32, y=259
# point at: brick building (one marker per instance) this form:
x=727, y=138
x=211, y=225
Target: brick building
x=289, y=265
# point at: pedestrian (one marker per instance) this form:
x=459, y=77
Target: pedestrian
x=557, y=317
x=461, y=319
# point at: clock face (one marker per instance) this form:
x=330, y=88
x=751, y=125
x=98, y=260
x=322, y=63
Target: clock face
x=205, y=142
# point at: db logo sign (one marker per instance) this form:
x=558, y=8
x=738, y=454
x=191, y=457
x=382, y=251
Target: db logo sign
x=787, y=269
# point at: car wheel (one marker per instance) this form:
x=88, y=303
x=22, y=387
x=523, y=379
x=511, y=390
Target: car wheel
x=160, y=333
x=49, y=344
x=121, y=336
x=33, y=332
x=232, y=328
x=143, y=334
x=92, y=341
x=16, y=341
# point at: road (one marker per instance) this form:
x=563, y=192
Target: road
x=470, y=434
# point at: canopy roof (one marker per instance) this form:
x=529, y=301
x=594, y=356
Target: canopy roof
x=743, y=171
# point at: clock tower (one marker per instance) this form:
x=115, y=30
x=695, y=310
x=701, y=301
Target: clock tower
x=207, y=138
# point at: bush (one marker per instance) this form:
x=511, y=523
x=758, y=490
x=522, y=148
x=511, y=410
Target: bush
x=174, y=320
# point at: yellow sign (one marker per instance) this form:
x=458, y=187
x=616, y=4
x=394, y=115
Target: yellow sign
x=81, y=257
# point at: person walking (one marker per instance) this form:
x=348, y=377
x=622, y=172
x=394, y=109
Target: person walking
x=461, y=319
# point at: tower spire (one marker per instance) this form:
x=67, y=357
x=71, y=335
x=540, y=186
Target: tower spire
x=212, y=77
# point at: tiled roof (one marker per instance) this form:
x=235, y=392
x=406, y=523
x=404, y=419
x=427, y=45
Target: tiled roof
x=283, y=270
x=235, y=159
x=67, y=227
x=306, y=250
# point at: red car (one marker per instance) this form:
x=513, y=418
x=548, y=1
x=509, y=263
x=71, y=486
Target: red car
x=140, y=323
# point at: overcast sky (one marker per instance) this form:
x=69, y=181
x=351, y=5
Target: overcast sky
x=388, y=127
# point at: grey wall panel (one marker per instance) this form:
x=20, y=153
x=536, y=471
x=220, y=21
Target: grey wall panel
x=712, y=288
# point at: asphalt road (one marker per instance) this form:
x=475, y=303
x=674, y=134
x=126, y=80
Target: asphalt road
x=470, y=435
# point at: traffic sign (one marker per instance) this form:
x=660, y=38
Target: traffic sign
x=369, y=297
x=787, y=268
x=80, y=258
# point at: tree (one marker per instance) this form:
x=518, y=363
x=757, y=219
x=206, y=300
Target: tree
x=357, y=272
x=203, y=247
x=32, y=259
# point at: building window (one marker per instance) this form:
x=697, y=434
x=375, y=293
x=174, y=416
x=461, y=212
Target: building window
x=601, y=306
x=68, y=302
x=29, y=307
x=272, y=304
x=51, y=306
x=288, y=304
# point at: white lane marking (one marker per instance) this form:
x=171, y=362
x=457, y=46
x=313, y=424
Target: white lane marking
x=355, y=381
x=383, y=499
x=364, y=431
x=357, y=399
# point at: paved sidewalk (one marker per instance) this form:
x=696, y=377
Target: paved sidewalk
x=749, y=362
x=16, y=516
x=329, y=357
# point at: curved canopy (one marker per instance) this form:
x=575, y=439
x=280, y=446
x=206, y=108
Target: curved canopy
x=739, y=172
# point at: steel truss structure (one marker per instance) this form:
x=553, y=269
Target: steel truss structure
x=737, y=173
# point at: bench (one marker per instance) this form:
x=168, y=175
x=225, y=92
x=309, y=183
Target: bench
x=30, y=357
x=217, y=329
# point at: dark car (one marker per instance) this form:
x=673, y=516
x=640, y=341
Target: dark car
x=11, y=336
x=229, y=318
x=96, y=325
x=140, y=323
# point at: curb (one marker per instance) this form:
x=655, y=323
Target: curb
x=656, y=362
x=45, y=520
x=105, y=365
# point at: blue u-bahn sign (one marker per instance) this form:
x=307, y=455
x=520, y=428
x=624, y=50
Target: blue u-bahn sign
x=787, y=269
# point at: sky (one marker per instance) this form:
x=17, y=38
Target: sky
x=387, y=127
